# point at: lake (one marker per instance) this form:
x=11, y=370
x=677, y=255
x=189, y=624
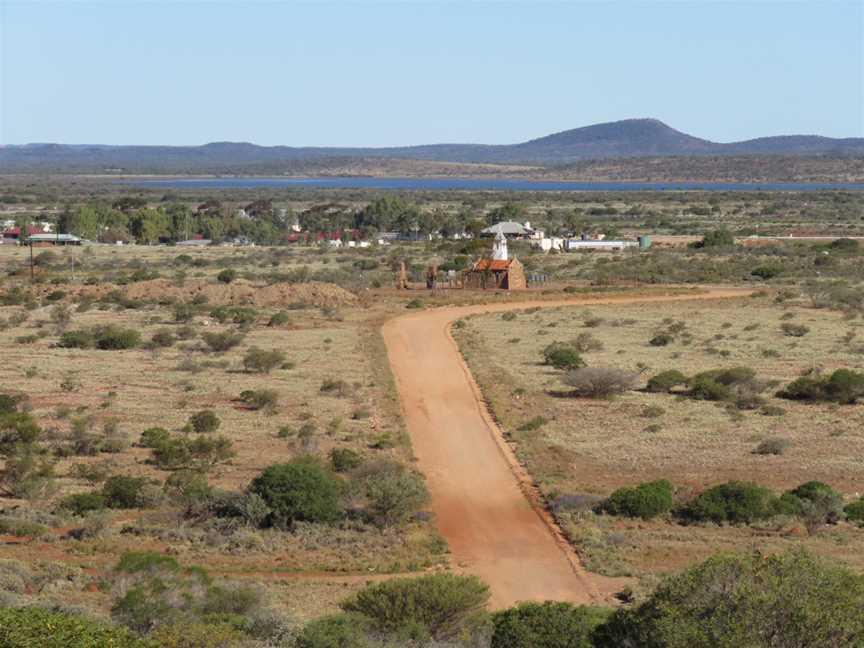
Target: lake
x=479, y=184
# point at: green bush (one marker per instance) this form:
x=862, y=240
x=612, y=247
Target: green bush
x=753, y=600
x=37, y=627
x=550, y=624
x=183, y=634
x=716, y=239
x=794, y=330
x=855, y=511
x=124, y=492
x=260, y=399
x=843, y=386
x=221, y=342
x=393, y=492
x=704, y=388
x=163, y=338
x=533, y=424
x=133, y=562
x=154, y=437
x=201, y=453
x=660, y=340
x=21, y=528
x=337, y=631
x=665, y=381
x=815, y=502
x=105, y=338
x=562, y=356
x=279, y=319
x=644, y=501
x=440, y=606
x=734, y=502
x=83, y=503
x=234, y=314
x=301, y=490
x=227, y=275
x=204, y=421
x=262, y=361
x=345, y=459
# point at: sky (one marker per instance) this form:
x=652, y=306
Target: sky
x=413, y=72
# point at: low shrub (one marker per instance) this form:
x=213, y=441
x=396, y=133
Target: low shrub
x=794, y=330
x=600, y=382
x=345, y=459
x=154, y=437
x=83, y=503
x=34, y=626
x=261, y=361
x=734, y=502
x=661, y=339
x=300, y=490
x=221, y=342
x=772, y=446
x=562, y=356
x=279, y=319
x=204, y=422
x=855, y=511
x=335, y=387
x=550, y=624
x=105, y=338
x=644, y=501
x=533, y=424
x=843, y=386
x=227, y=275
x=437, y=606
x=125, y=492
x=337, y=631
x=260, y=399
x=393, y=493
x=665, y=381
x=202, y=453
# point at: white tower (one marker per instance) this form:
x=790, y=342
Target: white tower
x=499, y=248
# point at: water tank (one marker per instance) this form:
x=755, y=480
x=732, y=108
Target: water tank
x=644, y=242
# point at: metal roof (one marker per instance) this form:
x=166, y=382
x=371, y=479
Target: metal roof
x=510, y=228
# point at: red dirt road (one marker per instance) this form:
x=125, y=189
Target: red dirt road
x=485, y=505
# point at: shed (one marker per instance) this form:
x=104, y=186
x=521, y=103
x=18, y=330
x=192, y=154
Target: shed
x=506, y=274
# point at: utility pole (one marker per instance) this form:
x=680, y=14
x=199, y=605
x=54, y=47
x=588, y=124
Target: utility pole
x=32, y=278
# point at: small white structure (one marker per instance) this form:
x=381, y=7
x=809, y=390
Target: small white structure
x=575, y=245
x=549, y=244
x=499, y=248
x=508, y=228
x=335, y=243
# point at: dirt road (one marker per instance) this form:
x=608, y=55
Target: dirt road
x=483, y=501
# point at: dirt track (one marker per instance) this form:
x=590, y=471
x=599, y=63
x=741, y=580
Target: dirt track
x=483, y=501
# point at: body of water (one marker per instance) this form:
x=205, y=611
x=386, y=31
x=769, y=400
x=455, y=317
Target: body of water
x=480, y=184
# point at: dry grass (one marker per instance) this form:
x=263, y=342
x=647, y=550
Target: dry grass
x=595, y=446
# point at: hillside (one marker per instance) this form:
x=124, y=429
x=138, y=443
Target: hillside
x=632, y=138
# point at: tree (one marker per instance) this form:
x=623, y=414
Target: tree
x=737, y=600
x=717, y=238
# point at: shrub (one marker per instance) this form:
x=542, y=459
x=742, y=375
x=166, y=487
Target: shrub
x=855, y=511
x=533, y=424
x=235, y=314
x=393, y=492
x=716, y=238
x=586, y=342
x=815, y=502
x=440, y=606
x=163, y=338
x=262, y=361
x=279, y=319
x=734, y=502
x=562, y=356
x=154, y=437
x=249, y=509
x=705, y=388
x=843, y=386
x=105, y=338
x=221, y=342
x=83, y=503
x=335, y=387
x=665, y=381
x=260, y=399
x=184, y=313
x=644, y=501
x=732, y=600
x=794, y=330
x=21, y=528
x=345, y=459
x=336, y=631
x=551, y=624
x=204, y=421
x=133, y=562
x=772, y=446
x=600, y=382
x=227, y=275
x=124, y=492
x=662, y=339
x=34, y=626
x=197, y=635
x=187, y=487
x=201, y=453
x=301, y=490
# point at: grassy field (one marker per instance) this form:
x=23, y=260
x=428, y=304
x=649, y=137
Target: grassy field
x=593, y=446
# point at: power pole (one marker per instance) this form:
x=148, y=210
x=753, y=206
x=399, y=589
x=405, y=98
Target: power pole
x=32, y=278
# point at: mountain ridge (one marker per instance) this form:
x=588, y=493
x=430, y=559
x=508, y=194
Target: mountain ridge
x=629, y=138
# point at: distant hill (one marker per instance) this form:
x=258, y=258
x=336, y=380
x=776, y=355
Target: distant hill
x=631, y=138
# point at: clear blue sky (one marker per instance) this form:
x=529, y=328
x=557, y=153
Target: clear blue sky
x=388, y=73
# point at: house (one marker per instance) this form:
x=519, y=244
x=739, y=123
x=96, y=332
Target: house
x=509, y=229
x=498, y=272
x=45, y=239
x=12, y=235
